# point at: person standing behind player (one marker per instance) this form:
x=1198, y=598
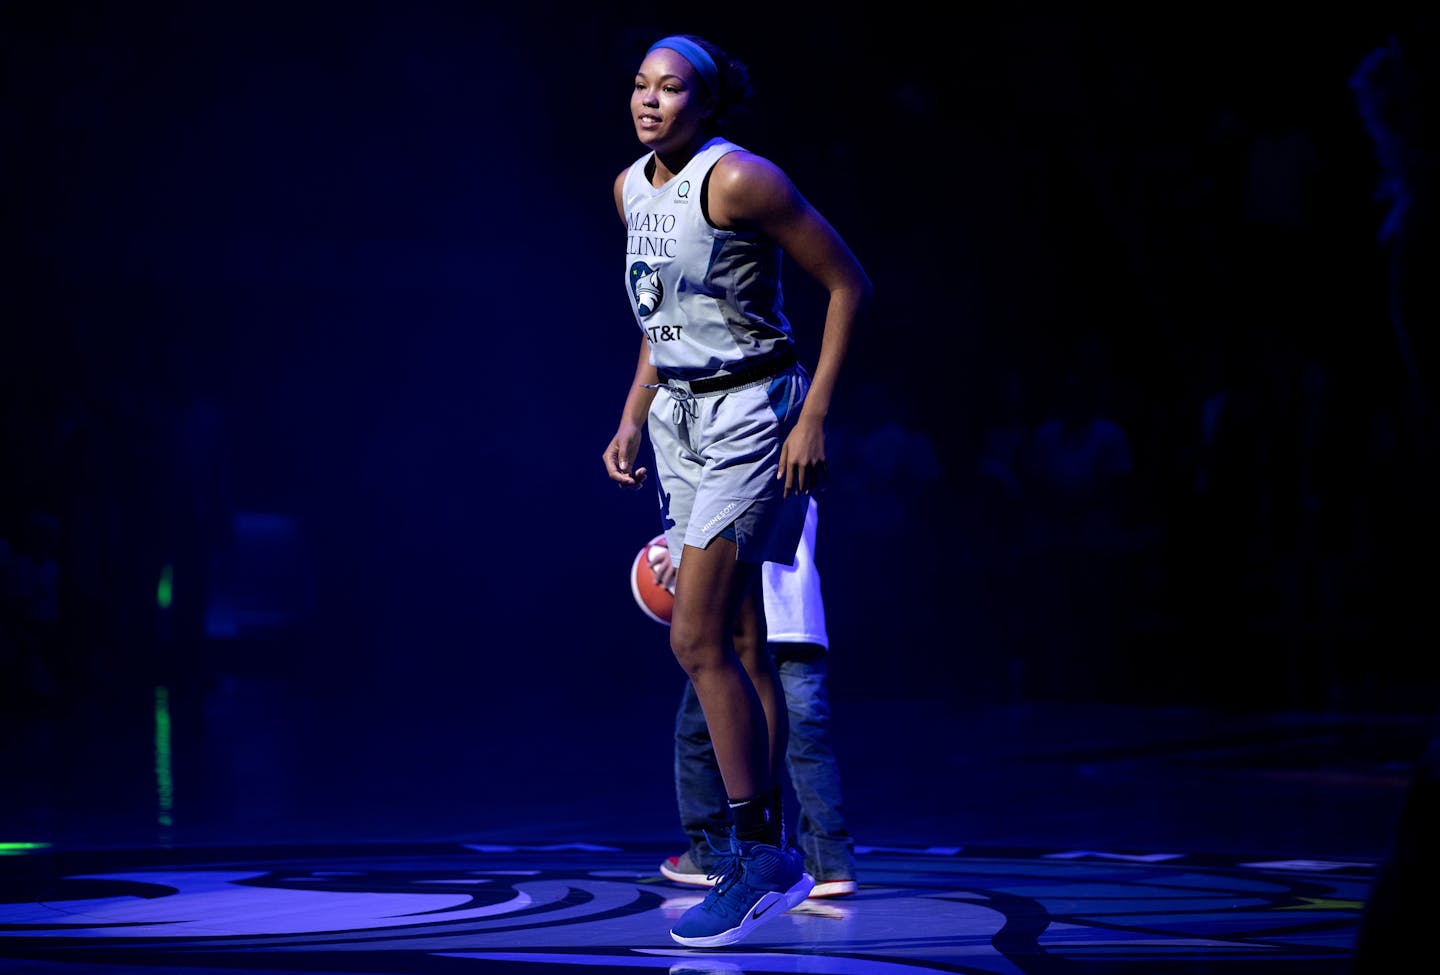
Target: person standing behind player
x=799, y=642
x=738, y=435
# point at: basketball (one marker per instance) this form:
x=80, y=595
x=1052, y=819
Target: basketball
x=654, y=600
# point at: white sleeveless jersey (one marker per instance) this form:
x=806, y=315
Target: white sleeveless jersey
x=709, y=300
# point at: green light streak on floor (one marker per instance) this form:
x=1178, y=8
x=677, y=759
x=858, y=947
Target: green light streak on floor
x=164, y=769
x=12, y=849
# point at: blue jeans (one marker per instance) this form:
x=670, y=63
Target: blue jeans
x=814, y=775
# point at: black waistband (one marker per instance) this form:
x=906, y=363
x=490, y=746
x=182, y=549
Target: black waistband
x=772, y=366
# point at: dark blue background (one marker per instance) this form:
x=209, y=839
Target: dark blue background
x=321, y=306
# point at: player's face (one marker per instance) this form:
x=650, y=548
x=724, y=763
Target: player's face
x=668, y=101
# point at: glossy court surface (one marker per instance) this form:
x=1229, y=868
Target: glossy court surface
x=1214, y=843
x=473, y=907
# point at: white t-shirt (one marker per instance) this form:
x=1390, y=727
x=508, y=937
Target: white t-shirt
x=794, y=611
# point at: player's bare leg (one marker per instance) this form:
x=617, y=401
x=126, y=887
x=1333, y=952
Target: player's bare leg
x=752, y=646
x=717, y=634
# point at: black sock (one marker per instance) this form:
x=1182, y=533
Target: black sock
x=754, y=821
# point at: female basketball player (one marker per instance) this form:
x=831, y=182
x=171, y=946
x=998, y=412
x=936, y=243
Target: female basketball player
x=736, y=425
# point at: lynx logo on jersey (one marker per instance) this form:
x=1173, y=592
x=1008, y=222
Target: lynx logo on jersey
x=646, y=287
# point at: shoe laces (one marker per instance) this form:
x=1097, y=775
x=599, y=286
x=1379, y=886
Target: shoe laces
x=727, y=864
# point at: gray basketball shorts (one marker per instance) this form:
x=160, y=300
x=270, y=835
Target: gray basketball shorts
x=716, y=457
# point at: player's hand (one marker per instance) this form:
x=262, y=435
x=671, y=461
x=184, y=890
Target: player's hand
x=802, y=459
x=619, y=458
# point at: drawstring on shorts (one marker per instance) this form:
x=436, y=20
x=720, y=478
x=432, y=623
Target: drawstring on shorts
x=681, y=399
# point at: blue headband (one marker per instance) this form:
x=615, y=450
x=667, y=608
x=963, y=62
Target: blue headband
x=698, y=57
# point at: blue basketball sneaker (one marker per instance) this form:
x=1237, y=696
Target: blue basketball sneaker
x=757, y=882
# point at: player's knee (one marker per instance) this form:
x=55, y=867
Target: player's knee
x=753, y=652
x=692, y=650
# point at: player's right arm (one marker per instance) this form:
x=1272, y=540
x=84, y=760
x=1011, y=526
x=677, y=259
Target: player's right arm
x=620, y=454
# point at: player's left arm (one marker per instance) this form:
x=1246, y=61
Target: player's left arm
x=750, y=192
